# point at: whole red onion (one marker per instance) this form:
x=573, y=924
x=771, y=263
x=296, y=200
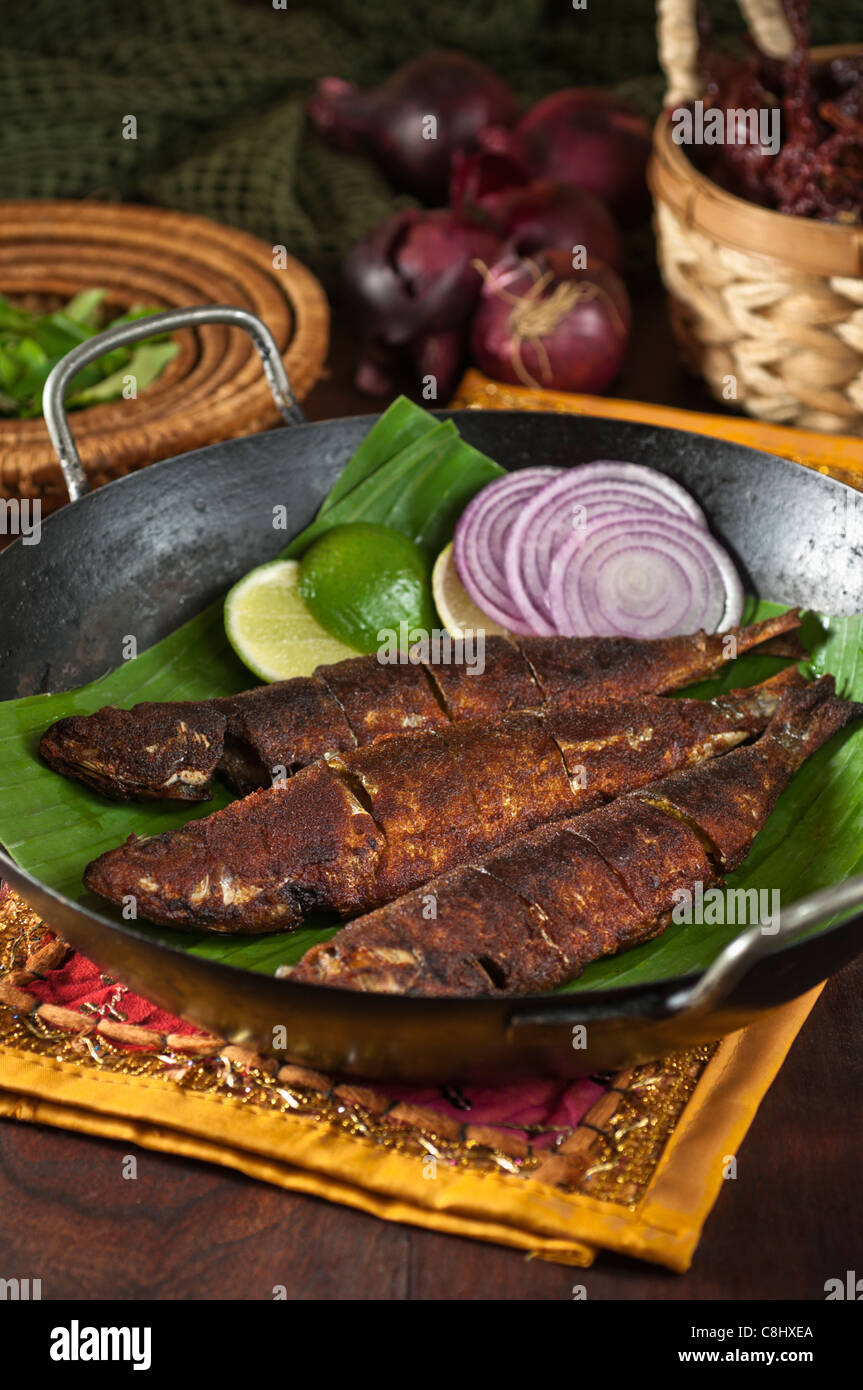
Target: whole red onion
x=558, y=215
x=412, y=285
x=462, y=94
x=540, y=323
x=589, y=138
x=481, y=182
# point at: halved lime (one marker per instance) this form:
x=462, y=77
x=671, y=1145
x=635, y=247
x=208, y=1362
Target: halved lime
x=457, y=609
x=271, y=629
x=361, y=580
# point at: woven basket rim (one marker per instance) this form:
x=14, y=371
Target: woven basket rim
x=806, y=244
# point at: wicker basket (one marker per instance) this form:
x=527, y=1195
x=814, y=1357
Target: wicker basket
x=781, y=333
x=214, y=388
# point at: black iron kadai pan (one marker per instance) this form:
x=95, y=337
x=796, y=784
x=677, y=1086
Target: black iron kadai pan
x=160, y=545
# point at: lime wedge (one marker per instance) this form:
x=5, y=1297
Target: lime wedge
x=457, y=610
x=271, y=629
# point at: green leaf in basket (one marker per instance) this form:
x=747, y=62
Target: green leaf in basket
x=31, y=345
x=147, y=362
x=53, y=827
x=85, y=307
x=14, y=320
x=58, y=335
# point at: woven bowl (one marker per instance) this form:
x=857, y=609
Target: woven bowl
x=214, y=388
x=779, y=331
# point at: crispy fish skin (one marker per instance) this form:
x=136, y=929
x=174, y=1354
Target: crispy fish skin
x=357, y=829
x=413, y=787
x=290, y=724
x=587, y=886
x=379, y=698
x=515, y=771
x=273, y=731
x=257, y=866
x=152, y=752
x=390, y=950
x=623, y=753
x=505, y=683
x=623, y=666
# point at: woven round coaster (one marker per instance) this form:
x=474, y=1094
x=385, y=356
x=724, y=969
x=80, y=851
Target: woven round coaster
x=214, y=389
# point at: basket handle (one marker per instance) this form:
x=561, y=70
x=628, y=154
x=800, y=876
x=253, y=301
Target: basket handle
x=677, y=36
x=57, y=384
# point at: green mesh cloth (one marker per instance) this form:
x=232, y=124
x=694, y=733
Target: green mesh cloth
x=218, y=86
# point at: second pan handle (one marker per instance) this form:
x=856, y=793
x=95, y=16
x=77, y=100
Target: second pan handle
x=714, y=989
x=715, y=986
x=57, y=384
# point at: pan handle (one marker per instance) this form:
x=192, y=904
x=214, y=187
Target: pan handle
x=57, y=384
x=718, y=981
x=716, y=985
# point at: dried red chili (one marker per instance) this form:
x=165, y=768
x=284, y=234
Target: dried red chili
x=818, y=168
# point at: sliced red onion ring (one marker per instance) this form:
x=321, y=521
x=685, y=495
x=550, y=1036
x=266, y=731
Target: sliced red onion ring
x=616, y=471
x=565, y=504
x=643, y=576
x=480, y=539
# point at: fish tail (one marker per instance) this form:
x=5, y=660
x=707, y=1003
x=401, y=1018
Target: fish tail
x=765, y=698
x=769, y=629
x=786, y=644
x=729, y=800
x=807, y=718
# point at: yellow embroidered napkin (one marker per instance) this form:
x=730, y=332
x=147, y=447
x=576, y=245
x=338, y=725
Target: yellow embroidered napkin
x=631, y=1162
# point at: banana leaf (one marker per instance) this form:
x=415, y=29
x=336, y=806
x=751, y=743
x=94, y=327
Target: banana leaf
x=52, y=827
x=412, y=473
x=402, y=423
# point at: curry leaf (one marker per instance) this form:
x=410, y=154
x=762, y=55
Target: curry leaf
x=147, y=362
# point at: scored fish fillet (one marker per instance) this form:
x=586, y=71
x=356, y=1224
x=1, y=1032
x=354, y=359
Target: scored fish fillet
x=357, y=829
x=171, y=750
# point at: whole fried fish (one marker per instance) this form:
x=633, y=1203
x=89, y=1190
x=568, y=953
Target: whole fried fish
x=171, y=750
x=533, y=914
x=357, y=829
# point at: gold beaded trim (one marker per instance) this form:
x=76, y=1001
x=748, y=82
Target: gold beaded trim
x=610, y=1155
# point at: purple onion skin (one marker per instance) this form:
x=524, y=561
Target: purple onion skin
x=411, y=288
x=583, y=352
x=481, y=184
x=413, y=274
x=462, y=93
x=381, y=369
x=494, y=191
x=588, y=138
x=442, y=356
x=560, y=216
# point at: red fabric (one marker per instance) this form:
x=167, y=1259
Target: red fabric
x=553, y=1105
x=78, y=981
x=523, y=1106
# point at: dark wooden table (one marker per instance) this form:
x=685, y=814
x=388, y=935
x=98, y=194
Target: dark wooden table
x=185, y=1230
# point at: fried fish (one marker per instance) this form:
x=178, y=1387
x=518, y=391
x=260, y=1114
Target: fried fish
x=531, y=915
x=171, y=750
x=357, y=829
